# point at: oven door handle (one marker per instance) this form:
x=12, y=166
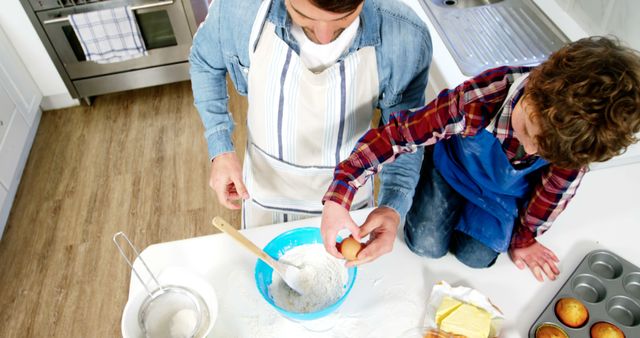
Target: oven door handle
x=133, y=8
x=152, y=5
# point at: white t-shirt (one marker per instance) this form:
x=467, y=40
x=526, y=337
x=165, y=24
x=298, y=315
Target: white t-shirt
x=318, y=57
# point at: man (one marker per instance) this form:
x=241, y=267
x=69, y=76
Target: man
x=313, y=71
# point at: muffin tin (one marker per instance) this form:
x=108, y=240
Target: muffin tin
x=609, y=286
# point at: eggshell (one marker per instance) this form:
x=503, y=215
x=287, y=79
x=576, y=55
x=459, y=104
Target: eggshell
x=349, y=248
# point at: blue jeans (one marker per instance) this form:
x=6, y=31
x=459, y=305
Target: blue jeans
x=430, y=227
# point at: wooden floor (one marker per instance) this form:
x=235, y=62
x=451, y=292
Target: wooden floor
x=133, y=162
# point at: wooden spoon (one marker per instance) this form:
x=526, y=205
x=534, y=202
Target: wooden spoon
x=289, y=273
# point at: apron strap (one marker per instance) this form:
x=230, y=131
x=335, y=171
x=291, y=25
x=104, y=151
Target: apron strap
x=258, y=25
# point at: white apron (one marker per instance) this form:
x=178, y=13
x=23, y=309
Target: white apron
x=300, y=126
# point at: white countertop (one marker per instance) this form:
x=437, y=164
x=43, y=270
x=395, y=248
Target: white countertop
x=390, y=294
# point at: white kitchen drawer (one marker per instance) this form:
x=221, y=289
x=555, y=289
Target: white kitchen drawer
x=11, y=149
x=7, y=109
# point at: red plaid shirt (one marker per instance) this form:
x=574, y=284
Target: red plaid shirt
x=465, y=110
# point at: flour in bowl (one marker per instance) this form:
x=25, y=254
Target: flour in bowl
x=322, y=279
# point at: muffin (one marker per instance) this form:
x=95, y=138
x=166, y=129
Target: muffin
x=606, y=330
x=550, y=331
x=571, y=312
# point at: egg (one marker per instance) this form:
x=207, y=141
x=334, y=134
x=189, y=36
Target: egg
x=349, y=248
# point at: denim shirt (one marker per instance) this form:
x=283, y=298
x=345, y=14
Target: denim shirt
x=403, y=53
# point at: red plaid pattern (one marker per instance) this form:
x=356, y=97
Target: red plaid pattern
x=465, y=110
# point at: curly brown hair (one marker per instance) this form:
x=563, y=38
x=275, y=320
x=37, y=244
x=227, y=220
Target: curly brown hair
x=586, y=100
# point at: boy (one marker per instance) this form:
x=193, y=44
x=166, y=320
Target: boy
x=507, y=150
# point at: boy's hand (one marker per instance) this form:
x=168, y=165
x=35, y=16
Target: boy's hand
x=335, y=218
x=382, y=226
x=538, y=258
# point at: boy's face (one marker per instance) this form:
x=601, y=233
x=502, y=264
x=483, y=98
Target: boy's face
x=319, y=25
x=524, y=127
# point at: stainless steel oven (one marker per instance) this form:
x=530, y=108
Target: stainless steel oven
x=167, y=27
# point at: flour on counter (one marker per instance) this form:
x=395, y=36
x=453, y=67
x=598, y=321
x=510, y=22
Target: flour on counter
x=322, y=279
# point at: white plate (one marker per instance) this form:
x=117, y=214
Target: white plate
x=169, y=276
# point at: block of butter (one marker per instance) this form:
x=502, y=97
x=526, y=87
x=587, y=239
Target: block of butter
x=464, y=319
x=446, y=307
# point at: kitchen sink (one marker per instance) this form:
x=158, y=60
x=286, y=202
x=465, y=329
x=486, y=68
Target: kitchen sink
x=464, y=3
x=483, y=34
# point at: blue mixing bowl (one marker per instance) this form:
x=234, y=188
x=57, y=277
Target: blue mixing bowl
x=276, y=248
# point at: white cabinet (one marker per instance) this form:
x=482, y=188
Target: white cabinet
x=6, y=112
x=19, y=117
x=11, y=149
x=3, y=198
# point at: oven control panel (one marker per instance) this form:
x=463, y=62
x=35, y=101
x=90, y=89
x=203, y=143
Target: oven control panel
x=41, y=5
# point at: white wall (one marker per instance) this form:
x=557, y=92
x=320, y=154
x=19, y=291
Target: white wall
x=20, y=31
x=599, y=17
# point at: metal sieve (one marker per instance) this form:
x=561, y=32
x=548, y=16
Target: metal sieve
x=169, y=311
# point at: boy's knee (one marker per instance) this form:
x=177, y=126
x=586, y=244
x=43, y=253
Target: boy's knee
x=472, y=252
x=477, y=262
x=423, y=245
x=475, y=256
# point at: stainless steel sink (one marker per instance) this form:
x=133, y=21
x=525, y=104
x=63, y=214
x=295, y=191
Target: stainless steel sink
x=483, y=34
x=464, y=3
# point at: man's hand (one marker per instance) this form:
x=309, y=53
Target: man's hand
x=335, y=218
x=382, y=226
x=226, y=180
x=538, y=258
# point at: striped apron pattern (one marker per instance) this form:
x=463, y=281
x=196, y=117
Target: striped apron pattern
x=301, y=124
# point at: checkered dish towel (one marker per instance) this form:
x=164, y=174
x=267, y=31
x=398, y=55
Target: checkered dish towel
x=109, y=35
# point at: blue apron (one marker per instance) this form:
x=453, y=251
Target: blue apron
x=478, y=169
